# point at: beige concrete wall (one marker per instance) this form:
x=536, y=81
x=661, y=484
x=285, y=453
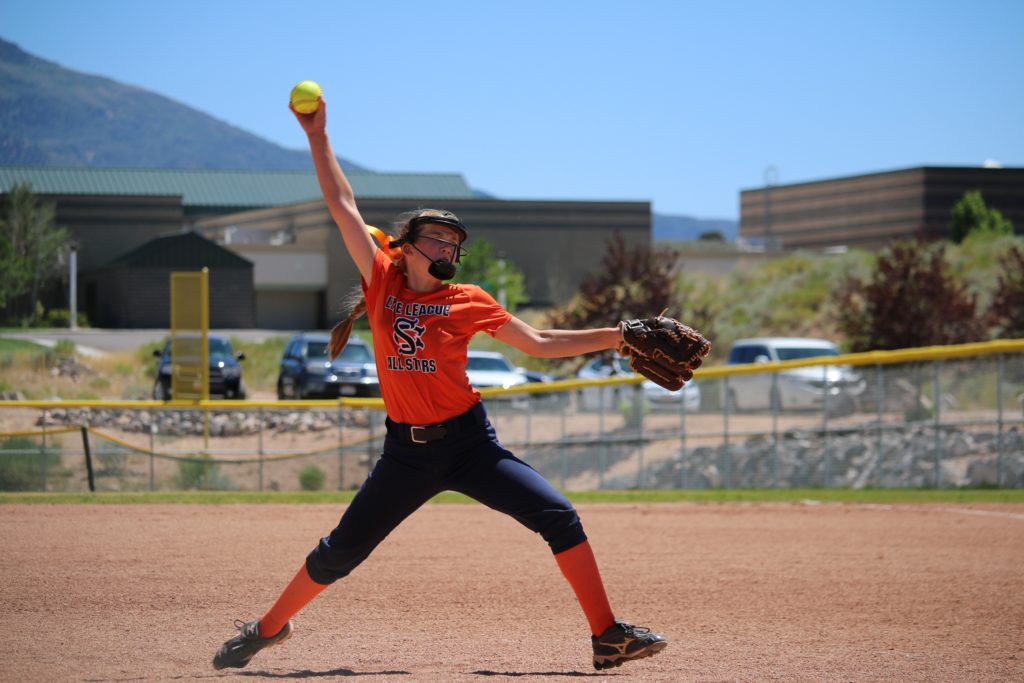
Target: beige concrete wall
x=555, y=244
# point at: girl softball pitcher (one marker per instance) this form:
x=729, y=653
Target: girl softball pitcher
x=438, y=435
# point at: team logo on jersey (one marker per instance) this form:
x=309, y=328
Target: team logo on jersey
x=408, y=335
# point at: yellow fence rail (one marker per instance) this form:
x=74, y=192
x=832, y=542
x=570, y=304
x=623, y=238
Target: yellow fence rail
x=936, y=416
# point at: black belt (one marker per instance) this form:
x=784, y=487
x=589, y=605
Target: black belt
x=422, y=434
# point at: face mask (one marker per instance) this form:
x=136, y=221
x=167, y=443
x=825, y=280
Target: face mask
x=442, y=269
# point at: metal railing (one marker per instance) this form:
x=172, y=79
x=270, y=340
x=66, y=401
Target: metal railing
x=935, y=417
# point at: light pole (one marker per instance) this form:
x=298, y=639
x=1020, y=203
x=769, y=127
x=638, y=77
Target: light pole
x=502, y=295
x=73, y=288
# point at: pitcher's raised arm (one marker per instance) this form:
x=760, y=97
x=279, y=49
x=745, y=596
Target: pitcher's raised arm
x=337, y=192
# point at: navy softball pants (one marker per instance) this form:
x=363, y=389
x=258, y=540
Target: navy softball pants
x=469, y=460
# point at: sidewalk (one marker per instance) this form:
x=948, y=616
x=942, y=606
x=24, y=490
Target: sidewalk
x=94, y=342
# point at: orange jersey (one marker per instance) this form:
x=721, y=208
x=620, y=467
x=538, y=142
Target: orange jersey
x=420, y=341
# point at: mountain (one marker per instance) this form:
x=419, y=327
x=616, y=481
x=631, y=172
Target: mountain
x=53, y=116
x=686, y=228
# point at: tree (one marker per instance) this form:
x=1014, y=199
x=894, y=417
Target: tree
x=699, y=304
x=632, y=283
x=910, y=300
x=30, y=243
x=971, y=215
x=492, y=273
x=1006, y=313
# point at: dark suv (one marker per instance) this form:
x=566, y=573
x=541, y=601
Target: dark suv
x=225, y=371
x=306, y=372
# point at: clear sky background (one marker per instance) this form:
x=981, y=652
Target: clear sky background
x=676, y=102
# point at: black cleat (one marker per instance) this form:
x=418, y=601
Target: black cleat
x=622, y=642
x=239, y=650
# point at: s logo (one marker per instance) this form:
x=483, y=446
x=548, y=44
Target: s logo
x=408, y=335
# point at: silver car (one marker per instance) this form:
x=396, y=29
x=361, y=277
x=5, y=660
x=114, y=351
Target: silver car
x=799, y=388
x=611, y=397
x=487, y=369
x=492, y=369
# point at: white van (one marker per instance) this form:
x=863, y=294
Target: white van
x=799, y=388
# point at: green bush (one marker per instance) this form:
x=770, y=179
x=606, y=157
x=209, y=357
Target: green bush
x=311, y=478
x=99, y=383
x=201, y=473
x=633, y=407
x=262, y=360
x=110, y=462
x=61, y=317
x=43, y=359
x=918, y=414
x=124, y=369
x=23, y=471
x=64, y=347
x=144, y=355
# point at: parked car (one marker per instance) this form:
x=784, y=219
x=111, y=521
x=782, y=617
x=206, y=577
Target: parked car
x=535, y=375
x=799, y=388
x=656, y=395
x=492, y=369
x=307, y=373
x=225, y=370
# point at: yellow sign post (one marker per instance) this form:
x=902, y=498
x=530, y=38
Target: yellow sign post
x=190, y=348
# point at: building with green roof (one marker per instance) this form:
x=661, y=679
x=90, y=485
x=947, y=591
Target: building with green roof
x=212, y=192
x=278, y=221
x=111, y=211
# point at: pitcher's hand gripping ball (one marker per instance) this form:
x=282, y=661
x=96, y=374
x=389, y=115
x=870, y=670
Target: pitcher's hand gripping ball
x=305, y=97
x=663, y=350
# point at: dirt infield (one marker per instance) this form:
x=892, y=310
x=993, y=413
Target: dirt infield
x=745, y=592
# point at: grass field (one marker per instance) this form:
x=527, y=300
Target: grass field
x=7, y=345
x=713, y=496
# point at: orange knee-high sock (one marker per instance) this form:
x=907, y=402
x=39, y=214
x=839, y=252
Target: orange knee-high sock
x=580, y=570
x=294, y=597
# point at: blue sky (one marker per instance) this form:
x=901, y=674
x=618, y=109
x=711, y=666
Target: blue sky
x=676, y=102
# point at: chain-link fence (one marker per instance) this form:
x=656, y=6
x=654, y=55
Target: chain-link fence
x=941, y=417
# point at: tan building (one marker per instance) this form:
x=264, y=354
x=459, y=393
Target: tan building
x=302, y=271
x=867, y=211
x=278, y=222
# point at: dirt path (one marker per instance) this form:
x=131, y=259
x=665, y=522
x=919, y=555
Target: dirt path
x=459, y=593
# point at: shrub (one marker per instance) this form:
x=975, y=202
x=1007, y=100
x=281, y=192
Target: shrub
x=61, y=317
x=912, y=299
x=489, y=270
x=1006, y=314
x=112, y=464
x=99, y=383
x=145, y=358
x=43, y=360
x=971, y=215
x=633, y=408
x=23, y=471
x=64, y=347
x=262, y=360
x=311, y=478
x=632, y=282
x=201, y=473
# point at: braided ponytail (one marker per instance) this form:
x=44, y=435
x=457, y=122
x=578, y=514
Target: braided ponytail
x=355, y=304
